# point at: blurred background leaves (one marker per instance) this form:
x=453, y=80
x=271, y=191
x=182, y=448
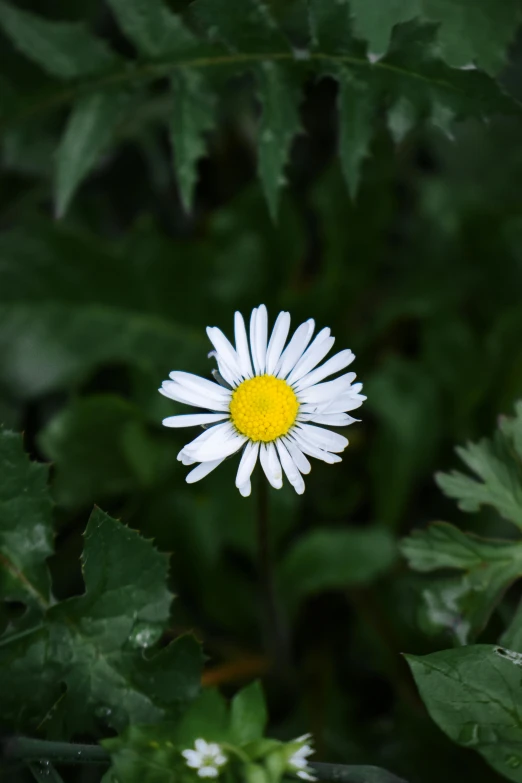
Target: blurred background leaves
x=385, y=207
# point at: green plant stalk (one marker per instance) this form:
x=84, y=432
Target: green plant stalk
x=276, y=636
x=33, y=750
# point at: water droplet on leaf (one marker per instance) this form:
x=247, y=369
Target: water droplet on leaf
x=144, y=635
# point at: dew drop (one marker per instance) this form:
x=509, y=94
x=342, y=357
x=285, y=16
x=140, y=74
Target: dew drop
x=144, y=635
x=513, y=761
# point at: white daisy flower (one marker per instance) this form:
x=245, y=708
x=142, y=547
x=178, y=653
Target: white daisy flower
x=267, y=402
x=298, y=762
x=207, y=758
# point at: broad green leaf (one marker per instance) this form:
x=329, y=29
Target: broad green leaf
x=473, y=695
x=356, y=121
x=498, y=466
x=63, y=49
x=192, y=116
x=101, y=644
x=206, y=717
x=248, y=714
x=154, y=29
x=99, y=447
x=26, y=534
x=463, y=604
x=335, y=559
x=88, y=133
x=280, y=95
x=246, y=28
x=512, y=636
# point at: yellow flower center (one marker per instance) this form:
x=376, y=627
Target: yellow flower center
x=263, y=408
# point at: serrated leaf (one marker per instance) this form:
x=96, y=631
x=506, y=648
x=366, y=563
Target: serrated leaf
x=357, y=108
x=474, y=32
x=89, y=131
x=99, y=447
x=374, y=20
x=246, y=27
x=472, y=694
x=95, y=644
x=191, y=117
x=63, y=49
x=463, y=605
x=26, y=534
x=331, y=26
x=335, y=559
x=467, y=32
x=248, y=716
x=280, y=96
x=499, y=468
x=154, y=29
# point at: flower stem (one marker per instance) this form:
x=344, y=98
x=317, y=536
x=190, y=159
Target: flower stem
x=26, y=749
x=275, y=633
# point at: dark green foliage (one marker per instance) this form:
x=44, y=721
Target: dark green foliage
x=164, y=163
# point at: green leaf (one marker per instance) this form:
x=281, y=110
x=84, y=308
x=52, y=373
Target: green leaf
x=246, y=27
x=63, y=49
x=89, y=132
x=154, y=29
x=467, y=32
x=356, y=120
x=96, y=644
x=145, y=754
x=472, y=694
x=474, y=32
x=280, y=95
x=375, y=21
x=331, y=26
x=356, y=773
x=335, y=559
x=498, y=465
x=248, y=714
x=26, y=535
x=99, y=447
x=191, y=117
x=464, y=604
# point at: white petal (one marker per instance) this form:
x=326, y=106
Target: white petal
x=222, y=444
x=202, y=470
x=314, y=354
x=277, y=341
x=201, y=745
x=261, y=337
x=213, y=750
x=247, y=463
x=246, y=489
x=190, y=381
x=193, y=419
x=346, y=402
x=242, y=350
x=333, y=365
x=328, y=390
x=192, y=757
x=271, y=465
x=357, y=388
x=330, y=419
x=174, y=391
x=289, y=467
x=305, y=776
x=324, y=439
x=224, y=348
x=253, y=333
x=228, y=375
x=314, y=451
x=208, y=772
x=297, y=455
x=295, y=348
x=202, y=438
